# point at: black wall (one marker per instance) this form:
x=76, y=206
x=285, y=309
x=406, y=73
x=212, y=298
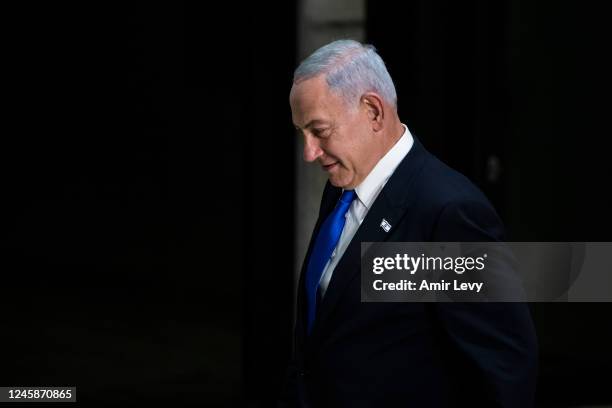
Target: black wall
x=148, y=184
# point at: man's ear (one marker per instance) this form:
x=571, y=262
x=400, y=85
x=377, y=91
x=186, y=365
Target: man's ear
x=373, y=105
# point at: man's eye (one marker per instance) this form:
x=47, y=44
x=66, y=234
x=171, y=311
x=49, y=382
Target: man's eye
x=320, y=132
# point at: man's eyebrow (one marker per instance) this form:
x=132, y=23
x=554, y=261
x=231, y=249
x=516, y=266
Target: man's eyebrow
x=312, y=123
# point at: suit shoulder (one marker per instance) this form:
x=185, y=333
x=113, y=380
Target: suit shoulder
x=458, y=209
x=440, y=186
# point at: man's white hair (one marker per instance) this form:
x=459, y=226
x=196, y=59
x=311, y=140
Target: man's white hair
x=351, y=69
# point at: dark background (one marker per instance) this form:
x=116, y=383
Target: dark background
x=148, y=182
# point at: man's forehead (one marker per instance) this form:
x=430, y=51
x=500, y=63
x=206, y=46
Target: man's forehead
x=307, y=113
x=311, y=102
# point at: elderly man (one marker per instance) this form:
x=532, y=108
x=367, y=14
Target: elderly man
x=384, y=186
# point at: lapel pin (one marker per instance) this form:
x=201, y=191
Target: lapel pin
x=384, y=224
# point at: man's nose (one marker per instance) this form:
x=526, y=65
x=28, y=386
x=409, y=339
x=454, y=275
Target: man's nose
x=312, y=150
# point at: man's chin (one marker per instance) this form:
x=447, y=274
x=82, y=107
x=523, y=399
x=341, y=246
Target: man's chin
x=339, y=182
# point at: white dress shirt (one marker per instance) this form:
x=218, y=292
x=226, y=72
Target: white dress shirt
x=366, y=194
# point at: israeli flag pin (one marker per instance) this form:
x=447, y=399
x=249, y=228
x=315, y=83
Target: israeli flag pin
x=384, y=224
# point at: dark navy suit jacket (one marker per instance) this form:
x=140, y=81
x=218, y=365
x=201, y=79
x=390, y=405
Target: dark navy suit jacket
x=412, y=354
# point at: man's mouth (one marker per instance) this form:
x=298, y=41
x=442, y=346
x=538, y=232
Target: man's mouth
x=328, y=167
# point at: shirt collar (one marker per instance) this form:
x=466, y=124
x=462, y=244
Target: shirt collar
x=371, y=186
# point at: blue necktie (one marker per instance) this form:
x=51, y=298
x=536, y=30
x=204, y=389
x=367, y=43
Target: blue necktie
x=328, y=237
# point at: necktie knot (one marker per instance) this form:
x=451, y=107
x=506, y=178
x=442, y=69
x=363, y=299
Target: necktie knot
x=347, y=196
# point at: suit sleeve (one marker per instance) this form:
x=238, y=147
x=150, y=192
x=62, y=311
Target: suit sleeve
x=497, y=340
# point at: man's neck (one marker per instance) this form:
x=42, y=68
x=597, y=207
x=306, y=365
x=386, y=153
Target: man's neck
x=396, y=132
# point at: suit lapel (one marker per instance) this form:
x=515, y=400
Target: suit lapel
x=331, y=195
